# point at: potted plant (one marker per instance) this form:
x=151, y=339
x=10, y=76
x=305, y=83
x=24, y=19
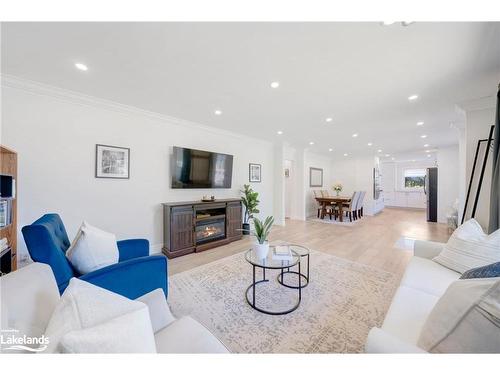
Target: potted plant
x=338, y=188
x=261, y=232
x=250, y=201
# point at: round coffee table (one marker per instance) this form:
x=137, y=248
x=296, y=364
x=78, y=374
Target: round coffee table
x=302, y=252
x=269, y=263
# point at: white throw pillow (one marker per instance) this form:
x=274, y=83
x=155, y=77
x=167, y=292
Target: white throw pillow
x=469, y=247
x=92, y=249
x=86, y=311
x=466, y=319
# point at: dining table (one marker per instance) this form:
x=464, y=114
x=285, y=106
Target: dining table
x=339, y=201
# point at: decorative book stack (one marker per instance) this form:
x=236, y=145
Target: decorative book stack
x=282, y=253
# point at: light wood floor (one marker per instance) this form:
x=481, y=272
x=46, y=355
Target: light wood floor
x=370, y=241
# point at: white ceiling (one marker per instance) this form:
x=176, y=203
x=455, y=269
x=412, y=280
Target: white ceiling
x=360, y=74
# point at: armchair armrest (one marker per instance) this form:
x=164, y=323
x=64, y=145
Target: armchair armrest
x=132, y=278
x=427, y=249
x=133, y=248
x=379, y=341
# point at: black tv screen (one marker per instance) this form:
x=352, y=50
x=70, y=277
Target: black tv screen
x=196, y=169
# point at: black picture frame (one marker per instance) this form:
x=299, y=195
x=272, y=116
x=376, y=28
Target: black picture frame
x=124, y=174
x=254, y=172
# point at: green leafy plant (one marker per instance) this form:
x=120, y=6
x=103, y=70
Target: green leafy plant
x=262, y=229
x=250, y=201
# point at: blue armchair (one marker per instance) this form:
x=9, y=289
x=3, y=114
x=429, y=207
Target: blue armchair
x=136, y=273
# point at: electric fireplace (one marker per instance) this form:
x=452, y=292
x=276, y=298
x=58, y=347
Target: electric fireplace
x=210, y=230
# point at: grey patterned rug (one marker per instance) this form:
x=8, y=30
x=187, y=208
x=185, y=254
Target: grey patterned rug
x=339, y=306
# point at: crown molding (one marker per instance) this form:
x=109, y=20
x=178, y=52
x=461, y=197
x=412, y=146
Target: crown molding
x=74, y=97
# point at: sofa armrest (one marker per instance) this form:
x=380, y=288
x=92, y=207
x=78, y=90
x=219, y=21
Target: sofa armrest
x=379, y=341
x=427, y=249
x=133, y=248
x=132, y=278
x=159, y=311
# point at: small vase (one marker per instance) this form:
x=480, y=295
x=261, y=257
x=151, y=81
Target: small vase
x=261, y=250
x=337, y=192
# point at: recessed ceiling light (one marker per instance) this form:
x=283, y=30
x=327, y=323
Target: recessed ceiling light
x=81, y=66
x=275, y=84
x=423, y=136
x=346, y=154
x=279, y=132
x=379, y=150
x=413, y=97
x=369, y=143
x=387, y=155
x=218, y=112
x=393, y=159
x=420, y=123
x=388, y=23
x=355, y=135
x=311, y=143
x=427, y=150
x=429, y=155
x=426, y=145
x=329, y=119
x=330, y=149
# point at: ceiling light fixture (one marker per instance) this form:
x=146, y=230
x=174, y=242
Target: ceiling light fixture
x=429, y=155
x=393, y=159
x=423, y=136
x=420, y=123
x=427, y=150
x=311, y=143
x=355, y=135
x=346, y=154
x=329, y=119
x=369, y=143
x=413, y=97
x=330, y=149
x=379, y=150
x=426, y=145
x=81, y=66
x=388, y=23
x=218, y=112
x=279, y=132
x=275, y=84
x=387, y=155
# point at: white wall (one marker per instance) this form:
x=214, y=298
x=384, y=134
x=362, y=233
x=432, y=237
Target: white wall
x=357, y=175
x=312, y=160
x=477, y=127
x=448, y=180
x=55, y=133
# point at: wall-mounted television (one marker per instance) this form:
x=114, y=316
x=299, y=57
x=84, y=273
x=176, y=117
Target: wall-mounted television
x=197, y=169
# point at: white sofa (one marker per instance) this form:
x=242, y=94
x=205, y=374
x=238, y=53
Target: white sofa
x=423, y=283
x=29, y=295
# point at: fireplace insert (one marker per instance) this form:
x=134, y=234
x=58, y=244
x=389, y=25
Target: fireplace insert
x=210, y=230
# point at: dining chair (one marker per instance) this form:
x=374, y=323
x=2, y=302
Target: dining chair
x=329, y=208
x=360, y=204
x=351, y=207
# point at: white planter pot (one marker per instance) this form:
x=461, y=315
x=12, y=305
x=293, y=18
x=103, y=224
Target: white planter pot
x=261, y=250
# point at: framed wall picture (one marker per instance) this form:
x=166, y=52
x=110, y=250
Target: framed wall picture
x=315, y=177
x=112, y=162
x=254, y=172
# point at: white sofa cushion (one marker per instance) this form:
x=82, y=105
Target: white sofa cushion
x=466, y=319
x=469, y=247
x=159, y=312
x=84, y=305
x=92, y=249
x=408, y=312
x=428, y=276
x=186, y=335
x=129, y=333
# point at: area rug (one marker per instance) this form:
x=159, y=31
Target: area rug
x=327, y=220
x=342, y=302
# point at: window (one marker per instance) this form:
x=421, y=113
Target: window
x=414, y=178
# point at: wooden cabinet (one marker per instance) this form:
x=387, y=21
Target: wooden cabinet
x=8, y=167
x=196, y=226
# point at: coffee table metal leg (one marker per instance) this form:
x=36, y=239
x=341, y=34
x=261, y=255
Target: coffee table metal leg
x=253, y=288
x=300, y=284
x=308, y=262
